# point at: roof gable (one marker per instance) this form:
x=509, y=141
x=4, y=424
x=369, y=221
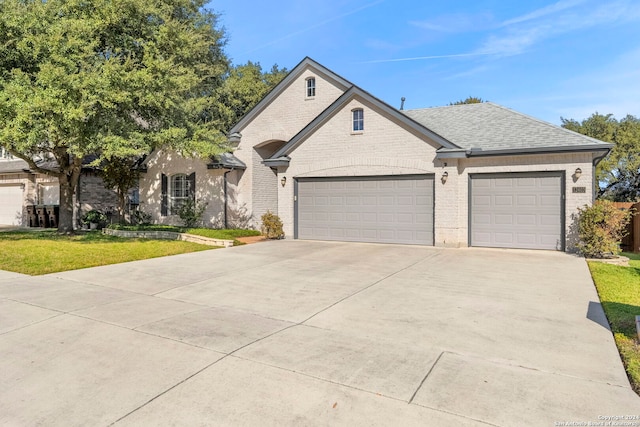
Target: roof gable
x=356, y=92
x=306, y=63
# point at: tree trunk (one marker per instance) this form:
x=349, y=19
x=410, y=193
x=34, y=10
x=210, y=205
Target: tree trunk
x=65, y=221
x=121, y=206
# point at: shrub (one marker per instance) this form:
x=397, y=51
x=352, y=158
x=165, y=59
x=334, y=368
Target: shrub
x=141, y=218
x=95, y=217
x=191, y=212
x=272, y=226
x=601, y=227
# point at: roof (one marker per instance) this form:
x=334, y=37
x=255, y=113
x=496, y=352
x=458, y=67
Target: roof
x=12, y=166
x=226, y=161
x=486, y=128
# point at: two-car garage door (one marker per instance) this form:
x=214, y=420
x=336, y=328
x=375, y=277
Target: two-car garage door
x=387, y=209
x=518, y=210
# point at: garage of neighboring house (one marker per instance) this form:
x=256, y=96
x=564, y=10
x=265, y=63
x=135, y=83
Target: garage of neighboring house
x=384, y=209
x=11, y=199
x=517, y=210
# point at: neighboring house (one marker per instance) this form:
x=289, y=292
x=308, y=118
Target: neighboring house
x=336, y=163
x=21, y=187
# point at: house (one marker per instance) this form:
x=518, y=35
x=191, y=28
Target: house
x=336, y=163
x=22, y=188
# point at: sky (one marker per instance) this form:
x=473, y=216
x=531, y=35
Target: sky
x=547, y=59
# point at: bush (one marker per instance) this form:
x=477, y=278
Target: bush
x=95, y=217
x=272, y=226
x=601, y=227
x=141, y=218
x=191, y=212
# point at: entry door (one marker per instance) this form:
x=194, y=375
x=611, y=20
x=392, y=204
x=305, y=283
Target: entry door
x=388, y=209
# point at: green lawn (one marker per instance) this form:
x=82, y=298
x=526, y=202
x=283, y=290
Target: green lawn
x=619, y=291
x=43, y=252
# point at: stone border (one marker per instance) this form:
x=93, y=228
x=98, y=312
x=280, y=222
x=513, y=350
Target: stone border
x=618, y=260
x=168, y=235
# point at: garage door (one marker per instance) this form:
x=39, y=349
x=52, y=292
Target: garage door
x=517, y=211
x=395, y=209
x=11, y=205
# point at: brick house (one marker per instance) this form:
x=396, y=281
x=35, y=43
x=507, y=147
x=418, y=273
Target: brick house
x=22, y=188
x=336, y=163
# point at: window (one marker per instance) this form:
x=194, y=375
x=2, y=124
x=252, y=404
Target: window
x=179, y=192
x=358, y=120
x=311, y=87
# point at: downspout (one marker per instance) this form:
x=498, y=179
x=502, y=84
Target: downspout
x=226, y=221
x=596, y=185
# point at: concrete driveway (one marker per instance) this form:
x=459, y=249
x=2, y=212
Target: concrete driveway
x=312, y=333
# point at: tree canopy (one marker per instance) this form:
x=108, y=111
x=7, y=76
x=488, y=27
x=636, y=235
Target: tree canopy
x=109, y=79
x=244, y=86
x=618, y=174
x=469, y=100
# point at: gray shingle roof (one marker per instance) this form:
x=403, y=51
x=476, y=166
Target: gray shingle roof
x=16, y=165
x=491, y=127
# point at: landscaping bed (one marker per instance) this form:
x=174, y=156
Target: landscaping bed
x=619, y=291
x=219, y=234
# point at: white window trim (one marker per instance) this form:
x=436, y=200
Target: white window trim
x=175, y=200
x=307, y=87
x=355, y=131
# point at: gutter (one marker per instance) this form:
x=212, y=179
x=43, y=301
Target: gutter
x=478, y=152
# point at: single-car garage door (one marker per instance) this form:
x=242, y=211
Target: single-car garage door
x=393, y=209
x=517, y=210
x=11, y=205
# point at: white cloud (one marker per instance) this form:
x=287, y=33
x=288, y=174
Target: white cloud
x=457, y=23
x=547, y=10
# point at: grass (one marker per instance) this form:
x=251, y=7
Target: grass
x=43, y=252
x=226, y=234
x=619, y=291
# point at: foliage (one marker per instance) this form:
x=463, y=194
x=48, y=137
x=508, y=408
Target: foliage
x=618, y=291
x=45, y=252
x=95, y=217
x=469, y=100
x=141, y=217
x=272, y=226
x=121, y=174
x=107, y=79
x=618, y=174
x=244, y=86
x=191, y=211
x=601, y=227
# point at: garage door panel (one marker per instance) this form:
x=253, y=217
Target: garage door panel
x=11, y=205
x=376, y=209
x=533, y=221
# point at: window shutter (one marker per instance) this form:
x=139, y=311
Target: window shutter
x=165, y=199
x=192, y=185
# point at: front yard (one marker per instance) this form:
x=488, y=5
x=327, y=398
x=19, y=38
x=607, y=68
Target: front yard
x=44, y=252
x=619, y=291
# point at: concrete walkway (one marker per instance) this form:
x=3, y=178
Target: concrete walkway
x=312, y=333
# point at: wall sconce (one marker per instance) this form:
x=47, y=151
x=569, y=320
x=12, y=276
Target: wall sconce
x=445, y=175
x=577, y=173
x=283, y=181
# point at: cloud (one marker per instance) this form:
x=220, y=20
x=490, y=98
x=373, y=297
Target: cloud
x=422, y=58
x=520, y=33
x=457, y=23
x=547, y=10
x=319, y=24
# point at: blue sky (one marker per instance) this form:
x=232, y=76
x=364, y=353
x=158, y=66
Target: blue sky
x=547, y=59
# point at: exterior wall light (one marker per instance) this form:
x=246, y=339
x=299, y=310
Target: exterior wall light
x=445, y=175
x=578, y=173
x=283, y=181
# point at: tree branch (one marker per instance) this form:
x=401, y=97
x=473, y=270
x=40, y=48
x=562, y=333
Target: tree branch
x=33, y=165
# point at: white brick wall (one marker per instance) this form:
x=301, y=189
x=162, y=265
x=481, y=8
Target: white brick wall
x=209, y=187
x=278, y=122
